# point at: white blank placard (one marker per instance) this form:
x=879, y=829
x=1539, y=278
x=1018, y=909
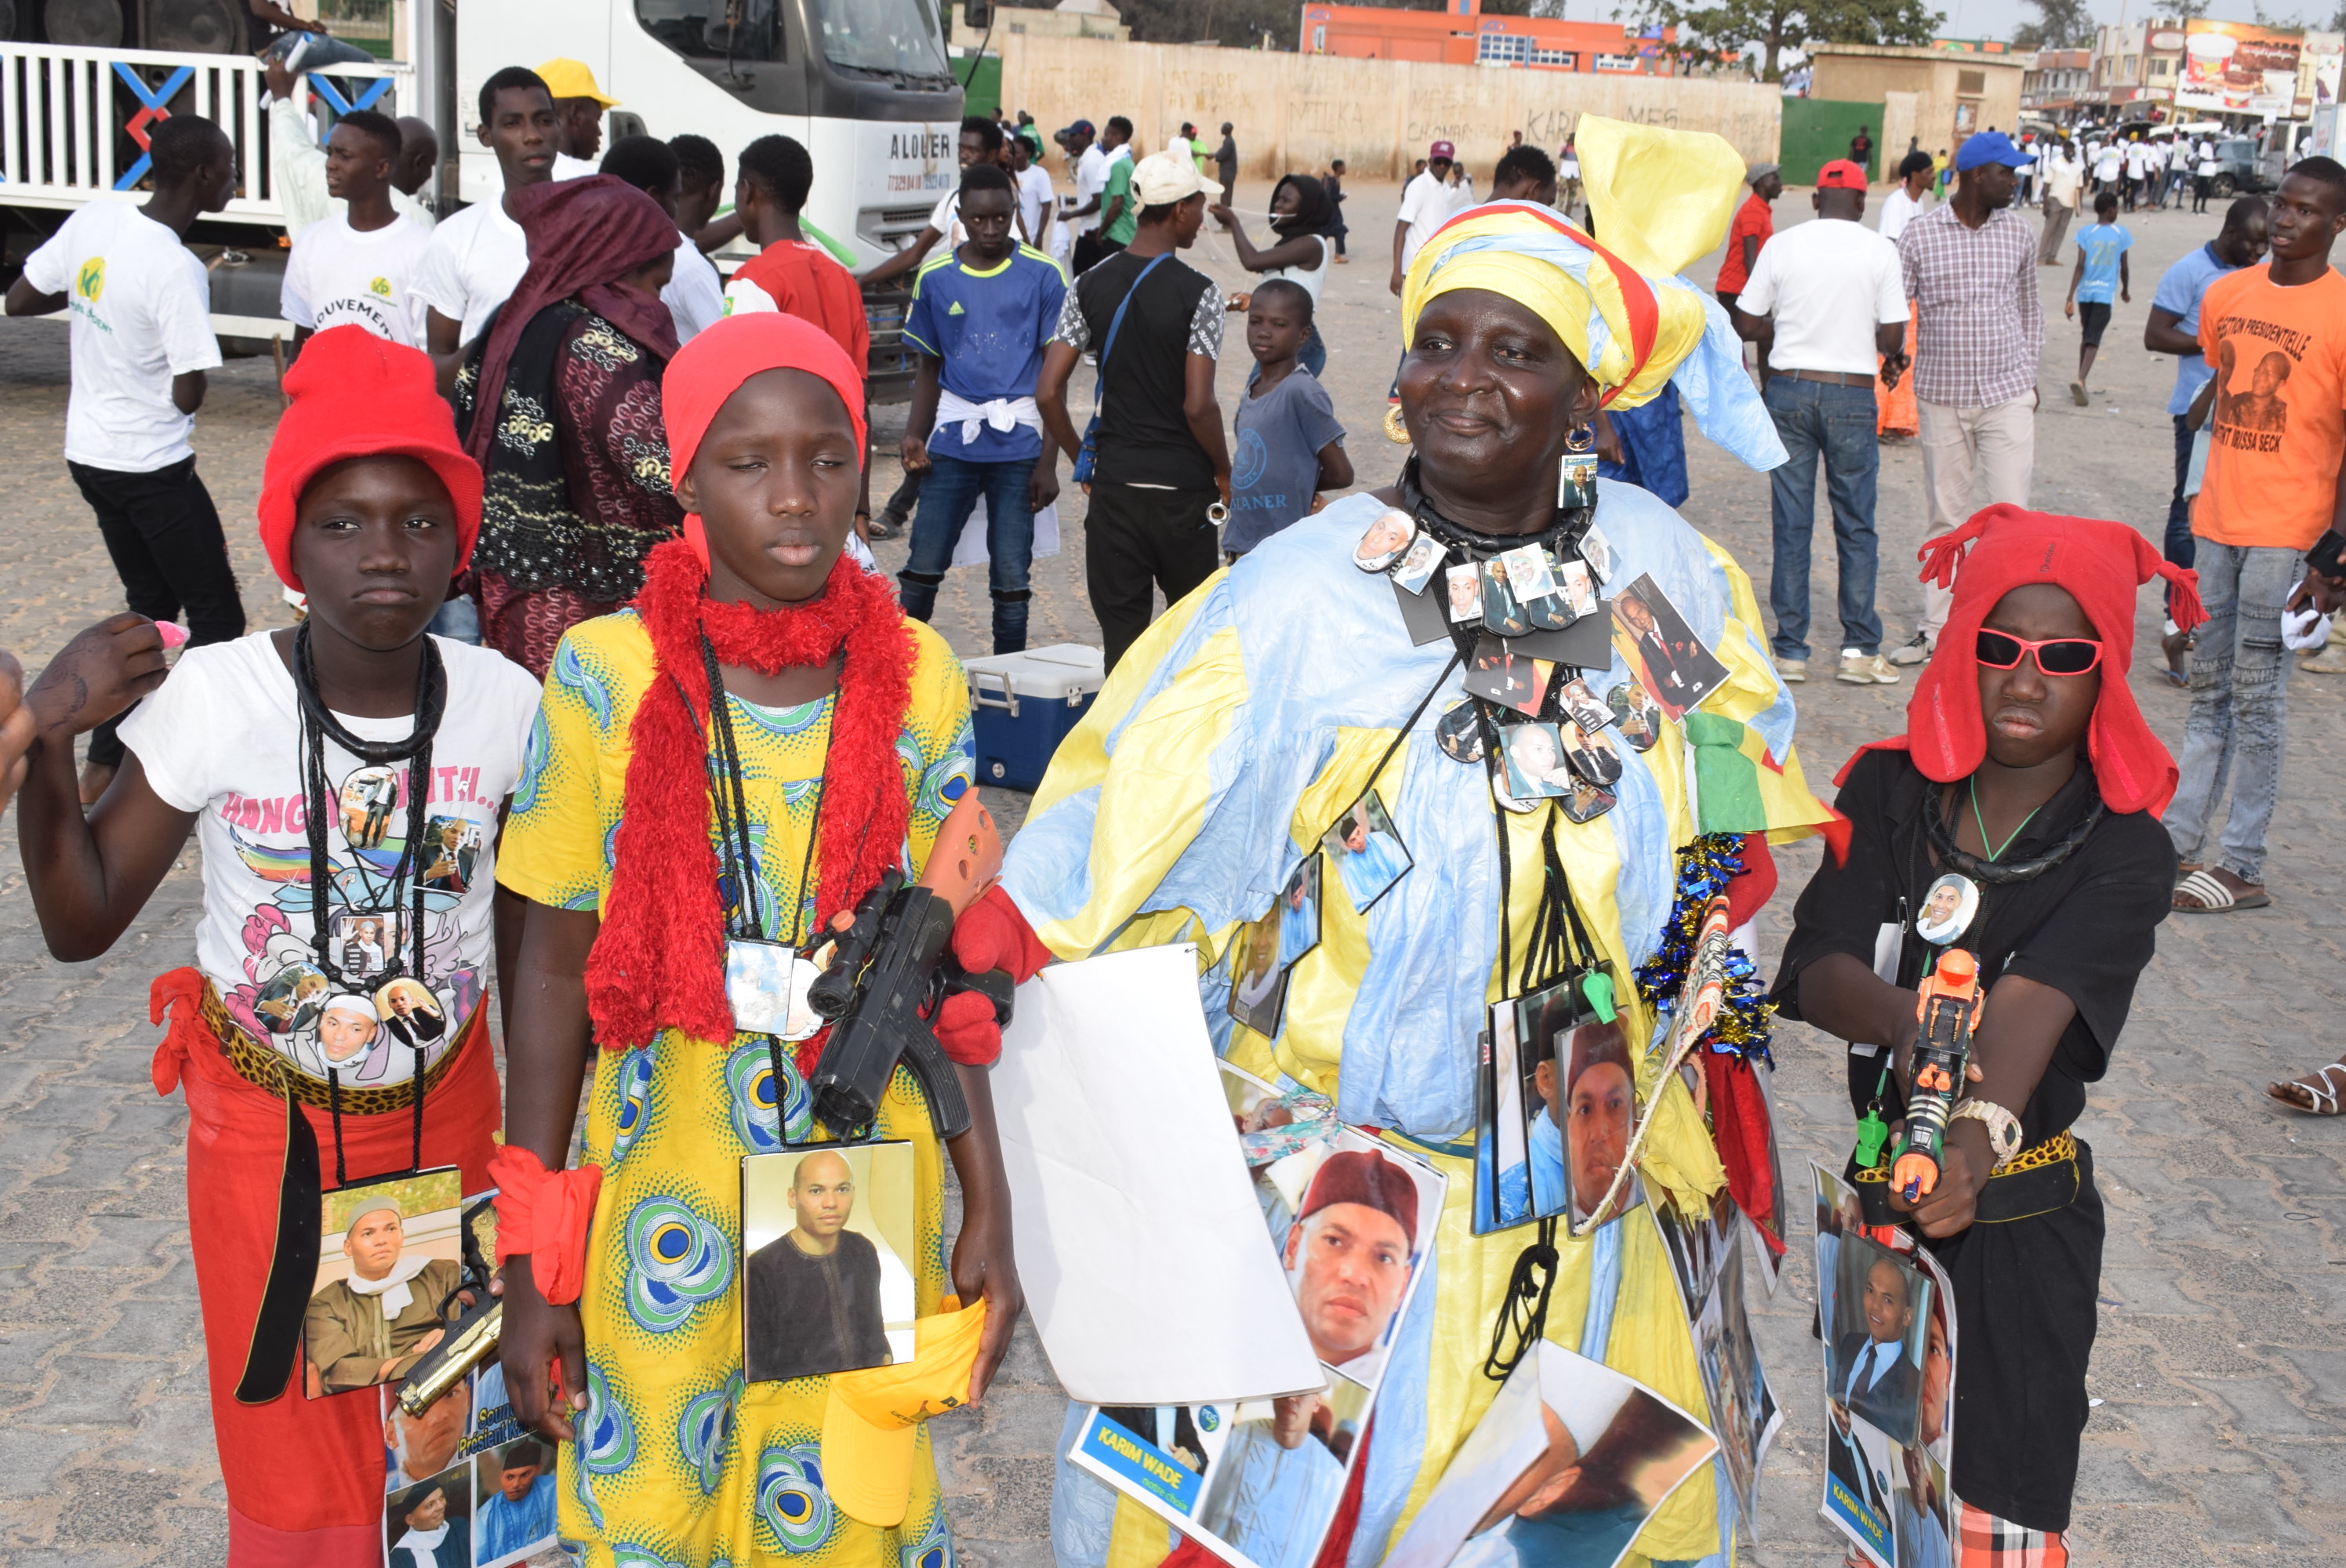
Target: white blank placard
x=1140, y=1243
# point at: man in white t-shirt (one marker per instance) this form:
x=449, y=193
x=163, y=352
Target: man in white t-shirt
x=358, y=266
x=695, y=295
x=1425, y=206
x=1827, y=299
x=477, y=257
x=982, y=141
x=1905, y=201
x=1092, y=171
x=298, y=164
x=142, y=340
x=2065, y=180
x=2109, y=166
x=1038, y=221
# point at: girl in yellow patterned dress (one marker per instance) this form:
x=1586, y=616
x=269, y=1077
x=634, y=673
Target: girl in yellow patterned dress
x=851, y=731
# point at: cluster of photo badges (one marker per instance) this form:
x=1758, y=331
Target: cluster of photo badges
x=1539, y=1481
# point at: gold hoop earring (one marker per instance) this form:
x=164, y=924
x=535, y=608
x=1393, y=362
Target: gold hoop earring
x=1396, y=429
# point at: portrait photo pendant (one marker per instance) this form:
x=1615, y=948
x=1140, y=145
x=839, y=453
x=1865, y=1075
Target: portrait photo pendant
x=1576, y=474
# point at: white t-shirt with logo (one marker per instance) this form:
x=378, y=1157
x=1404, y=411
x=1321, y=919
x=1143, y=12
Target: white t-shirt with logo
x=338, y=276
x=474, y=263
x=141, y=309
x=1828, y=282
x=945, y=217
x=1424, y=207
x=222, y=738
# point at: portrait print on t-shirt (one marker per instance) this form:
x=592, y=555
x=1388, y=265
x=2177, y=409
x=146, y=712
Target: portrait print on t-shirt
x=2251, y=409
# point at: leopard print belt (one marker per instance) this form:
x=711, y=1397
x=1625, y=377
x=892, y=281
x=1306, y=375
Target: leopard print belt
x=272, y=1071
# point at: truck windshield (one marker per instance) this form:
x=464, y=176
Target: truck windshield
x=891, y=37
x=719, y=29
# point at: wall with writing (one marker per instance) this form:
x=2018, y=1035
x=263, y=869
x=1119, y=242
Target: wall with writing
x=1297, y=111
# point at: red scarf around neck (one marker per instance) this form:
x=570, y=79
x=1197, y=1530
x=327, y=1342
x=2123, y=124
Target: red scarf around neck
x=659, y=960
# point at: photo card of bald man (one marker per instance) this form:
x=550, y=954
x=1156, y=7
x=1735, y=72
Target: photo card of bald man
x=1876, y=1333
x=389, y=1253
x=827, y=1243
x=1564, y=1468
x=1257, y=983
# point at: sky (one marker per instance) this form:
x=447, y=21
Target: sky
x=1998, y=18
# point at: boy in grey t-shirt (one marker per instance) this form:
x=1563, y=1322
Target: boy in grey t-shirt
x=1289, y=444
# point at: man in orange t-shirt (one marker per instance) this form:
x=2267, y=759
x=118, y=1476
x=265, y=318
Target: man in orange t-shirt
x=790, y=274
x=2275, y=336
x=1754, y=226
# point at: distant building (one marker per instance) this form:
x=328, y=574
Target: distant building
x=2054, y=86
x=1067, y=19
x=1462, y=35
x=2135, y=63
x=1958, y=90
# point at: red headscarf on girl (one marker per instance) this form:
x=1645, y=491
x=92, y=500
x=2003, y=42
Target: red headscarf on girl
x=2100, y=564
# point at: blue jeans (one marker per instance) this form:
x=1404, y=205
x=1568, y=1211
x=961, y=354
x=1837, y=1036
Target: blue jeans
x=1817, y=418
x=947, y=496
x=2240, y=707
x=2180, y=541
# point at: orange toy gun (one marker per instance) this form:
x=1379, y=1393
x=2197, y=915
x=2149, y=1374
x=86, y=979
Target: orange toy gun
x=890, y=966
x=1946, y=1011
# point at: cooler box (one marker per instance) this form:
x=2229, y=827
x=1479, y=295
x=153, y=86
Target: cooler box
x=1022, y=704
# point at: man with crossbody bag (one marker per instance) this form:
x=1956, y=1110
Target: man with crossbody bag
x=1153, y=461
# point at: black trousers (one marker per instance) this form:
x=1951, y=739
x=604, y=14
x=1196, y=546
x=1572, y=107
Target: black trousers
x=1091, y=250
x=164, y=533
x=1137, y=539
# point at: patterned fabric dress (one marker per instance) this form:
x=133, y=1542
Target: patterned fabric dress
x=576, y=490
x=679, y=1462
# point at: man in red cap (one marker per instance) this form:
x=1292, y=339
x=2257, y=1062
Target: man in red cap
x=2027, y=770
x=1348, y=1254
x=368, y=506
x=1826, y=306
x=1424, y=207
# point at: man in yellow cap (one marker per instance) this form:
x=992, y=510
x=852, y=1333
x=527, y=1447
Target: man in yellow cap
x=579, y=104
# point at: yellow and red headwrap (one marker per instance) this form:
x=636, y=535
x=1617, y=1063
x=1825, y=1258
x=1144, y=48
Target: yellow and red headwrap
x=1661, y=199
x=1617, y=305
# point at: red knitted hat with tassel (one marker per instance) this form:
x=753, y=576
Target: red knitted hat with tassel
x=2099, y=564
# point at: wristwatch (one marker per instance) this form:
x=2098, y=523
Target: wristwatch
x=2002, y=1127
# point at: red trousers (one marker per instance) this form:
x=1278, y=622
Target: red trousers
x=304, y=1476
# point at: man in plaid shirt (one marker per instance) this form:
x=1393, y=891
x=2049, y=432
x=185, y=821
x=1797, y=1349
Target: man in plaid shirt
x=1971, y=270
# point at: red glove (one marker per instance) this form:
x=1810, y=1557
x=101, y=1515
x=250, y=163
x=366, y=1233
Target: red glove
x=990, y=935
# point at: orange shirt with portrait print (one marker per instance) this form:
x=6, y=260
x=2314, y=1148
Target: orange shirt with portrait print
x=2279, y=423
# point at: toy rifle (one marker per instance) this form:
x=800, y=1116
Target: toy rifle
x=890, y=971
x=466, y=1341
x=1946, y=1010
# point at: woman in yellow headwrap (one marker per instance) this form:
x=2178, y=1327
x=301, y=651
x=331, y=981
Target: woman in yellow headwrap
x=1260, y=708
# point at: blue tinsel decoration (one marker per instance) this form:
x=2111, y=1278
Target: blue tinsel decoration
x=1744, y=1025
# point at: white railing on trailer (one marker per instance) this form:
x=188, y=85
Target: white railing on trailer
x=66, y=113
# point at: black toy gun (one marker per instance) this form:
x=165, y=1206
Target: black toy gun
x=467, y=1339
x=890, y=967
x=1946, y=1010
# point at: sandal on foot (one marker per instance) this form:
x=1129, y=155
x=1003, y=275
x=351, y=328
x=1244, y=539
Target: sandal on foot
x=2318, y=1102
x=2206, y=891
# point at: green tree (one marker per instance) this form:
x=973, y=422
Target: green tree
x=1776, y=25
x=2063, y=24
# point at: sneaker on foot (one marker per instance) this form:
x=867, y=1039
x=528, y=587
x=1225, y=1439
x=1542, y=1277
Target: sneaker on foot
x=1793, y=671
x=2078, y=395
x=1914, y=651
x=1865, y=669
x=2327, y=660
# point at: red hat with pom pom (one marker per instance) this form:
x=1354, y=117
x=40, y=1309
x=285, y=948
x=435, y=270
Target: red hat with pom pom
x=354, y=395
x=2100, y=564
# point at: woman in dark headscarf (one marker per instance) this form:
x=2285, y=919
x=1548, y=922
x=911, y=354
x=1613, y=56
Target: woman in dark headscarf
x=575, y=458
x=1300, y=214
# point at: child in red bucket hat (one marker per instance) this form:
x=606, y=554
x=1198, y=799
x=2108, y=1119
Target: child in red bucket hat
x=2016, y=819
x=345, y=781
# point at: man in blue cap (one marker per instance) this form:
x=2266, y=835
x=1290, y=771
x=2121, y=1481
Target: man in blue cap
x=1971, y=270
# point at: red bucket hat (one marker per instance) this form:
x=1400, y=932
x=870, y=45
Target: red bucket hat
x=354, y=394
x=2100, y=564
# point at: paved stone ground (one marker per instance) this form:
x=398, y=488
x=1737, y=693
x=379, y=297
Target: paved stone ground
x=2220, y=1438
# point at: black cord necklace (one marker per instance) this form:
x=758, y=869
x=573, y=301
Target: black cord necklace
x=318, y=725
x=2001, y=873
x=1563, y=534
